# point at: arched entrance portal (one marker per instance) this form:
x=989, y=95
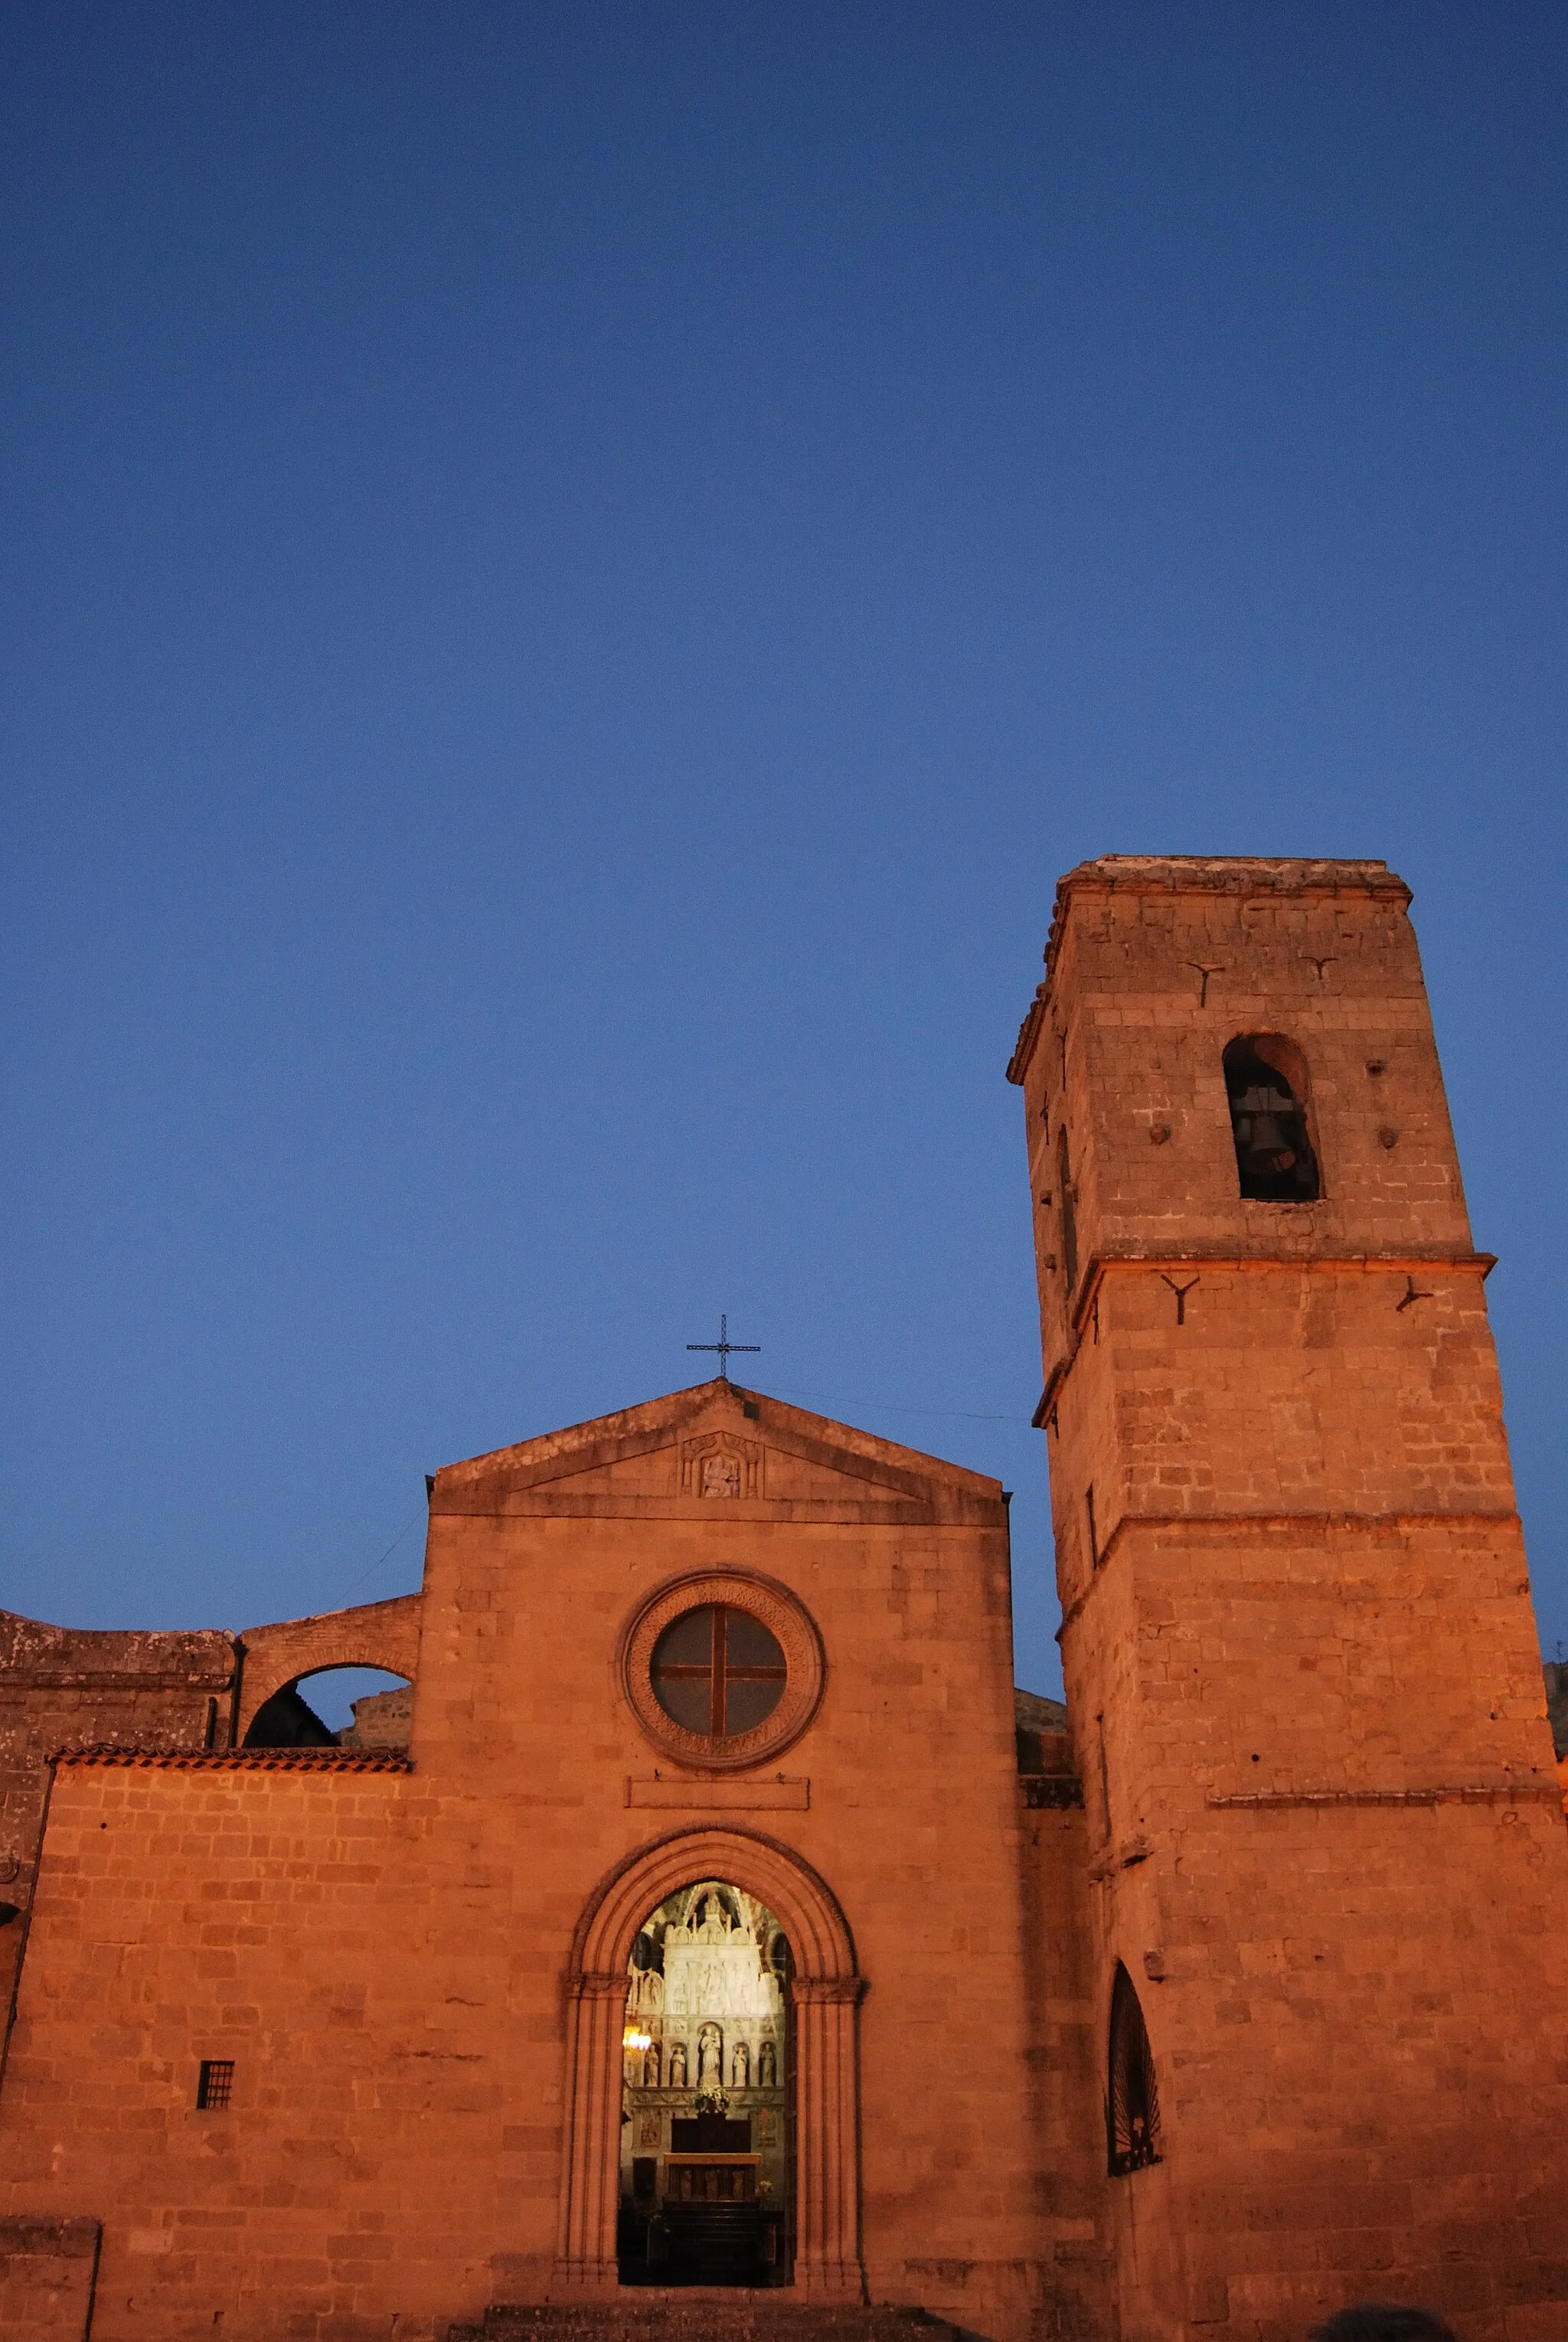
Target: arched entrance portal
x=818, y=2008
x=707, y=2161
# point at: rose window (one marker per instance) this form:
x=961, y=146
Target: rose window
x=718, y=1671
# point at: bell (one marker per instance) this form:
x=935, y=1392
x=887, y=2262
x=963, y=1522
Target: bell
x=1262, y=1141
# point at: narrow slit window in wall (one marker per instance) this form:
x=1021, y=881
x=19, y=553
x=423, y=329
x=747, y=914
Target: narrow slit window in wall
x=1266, y=1087
x=1069, y=1221
x=1133, y=2103
x=215, y=2086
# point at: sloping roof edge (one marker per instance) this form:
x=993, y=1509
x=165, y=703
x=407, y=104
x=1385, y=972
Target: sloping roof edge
x=653, y=1422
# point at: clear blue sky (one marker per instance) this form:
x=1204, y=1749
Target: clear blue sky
x=574, y=575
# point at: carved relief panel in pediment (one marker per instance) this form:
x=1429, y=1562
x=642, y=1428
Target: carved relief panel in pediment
x=719, y=1464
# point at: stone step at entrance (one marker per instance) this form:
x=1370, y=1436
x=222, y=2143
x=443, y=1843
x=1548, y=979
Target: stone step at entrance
x=691, y=2315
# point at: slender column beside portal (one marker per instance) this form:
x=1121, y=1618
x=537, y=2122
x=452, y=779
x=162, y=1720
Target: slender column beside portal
x=586, y=2242
x=825, y=2012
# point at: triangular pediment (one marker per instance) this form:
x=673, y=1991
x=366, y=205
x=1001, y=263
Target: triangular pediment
x=714, y=1446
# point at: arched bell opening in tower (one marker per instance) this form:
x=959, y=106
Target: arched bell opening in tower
x=1266, y=1084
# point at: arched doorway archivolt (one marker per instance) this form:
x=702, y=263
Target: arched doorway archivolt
x=827, y=1992
x=805, y=1905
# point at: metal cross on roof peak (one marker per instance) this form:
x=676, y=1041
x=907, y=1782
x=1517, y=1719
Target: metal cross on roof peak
x=724, y=1345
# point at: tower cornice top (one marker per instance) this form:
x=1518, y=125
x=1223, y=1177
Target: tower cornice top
x=1226, y=874
x=1237, y=875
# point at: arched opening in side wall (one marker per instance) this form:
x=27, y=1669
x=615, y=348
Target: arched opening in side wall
x=341, y=1707
x=1131, y=2097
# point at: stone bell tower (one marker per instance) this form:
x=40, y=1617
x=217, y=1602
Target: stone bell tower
x=1329, y=1869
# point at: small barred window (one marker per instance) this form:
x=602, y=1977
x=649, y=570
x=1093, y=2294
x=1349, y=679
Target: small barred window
x=216, y=2085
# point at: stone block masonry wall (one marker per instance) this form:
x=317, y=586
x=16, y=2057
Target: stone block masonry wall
x=241, y=1908
x=62, y=1686
x=80, y=1687
x=48, y=2269
x=1325, y=1835
x=1154, y=967
x=1302, y=1388
x=1065, y=2059
x=1345, y=1924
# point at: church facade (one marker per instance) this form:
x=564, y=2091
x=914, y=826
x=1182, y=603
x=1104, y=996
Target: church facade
x=714, y=1918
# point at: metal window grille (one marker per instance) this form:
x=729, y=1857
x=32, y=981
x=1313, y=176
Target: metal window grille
x=1133, y=2102
x=215, y=2087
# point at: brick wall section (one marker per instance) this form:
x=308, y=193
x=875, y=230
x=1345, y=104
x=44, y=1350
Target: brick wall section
x=47, y=2273
x=1302, y=1672
x=228, y=1907
x=1065, y=2062
x=66, y=1686
x=61, y=1685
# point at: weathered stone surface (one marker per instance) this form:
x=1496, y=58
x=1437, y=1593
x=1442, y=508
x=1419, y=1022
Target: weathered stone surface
x=1325, y=1837
x=81, y=1687
x=47, y=2273
x=62, y=1686
x=383, y=1720
x=694, y=2315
